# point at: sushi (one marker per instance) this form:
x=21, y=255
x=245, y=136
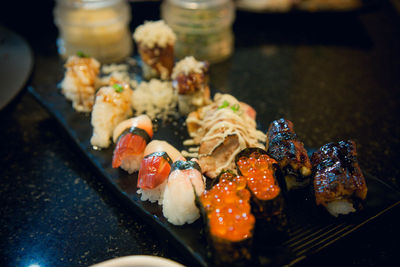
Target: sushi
x=185, y=181
x=261, y=173
x=285, y=147
x=190, y=81
x=222, y=129
x=112, y=105
x=155, y=41
x=339, y=183
x=155, y=168
x=80, y=81
x=131, y=137
x=229, y=222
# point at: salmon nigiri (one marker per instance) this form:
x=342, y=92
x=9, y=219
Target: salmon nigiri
x=131, y=137
x=155, y=168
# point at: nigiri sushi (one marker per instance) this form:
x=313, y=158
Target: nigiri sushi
x=131, y=137
x=155, y=168
x=112, y=105
x=285, y=147
x=190, y=81
x=79, y=83
x=155, y=41
x=184, y=181
x=339, y=182
x=222, y=129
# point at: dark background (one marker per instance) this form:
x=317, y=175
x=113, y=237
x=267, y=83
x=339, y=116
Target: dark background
x=336, y=76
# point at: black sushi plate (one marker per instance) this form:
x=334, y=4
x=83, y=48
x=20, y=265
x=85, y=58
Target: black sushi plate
x=309, y=229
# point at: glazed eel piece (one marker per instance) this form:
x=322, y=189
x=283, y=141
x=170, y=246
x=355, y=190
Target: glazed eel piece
x=289, y=152
x=339, y=182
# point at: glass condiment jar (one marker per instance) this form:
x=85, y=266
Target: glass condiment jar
x=98, y=28
x=203, y=27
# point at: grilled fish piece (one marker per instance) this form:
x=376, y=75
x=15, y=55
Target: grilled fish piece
x=338, y=180
x=289, y=152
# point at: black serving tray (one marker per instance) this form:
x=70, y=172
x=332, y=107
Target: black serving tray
x=309, y=228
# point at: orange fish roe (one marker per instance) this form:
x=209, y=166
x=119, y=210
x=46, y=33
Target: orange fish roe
x=259, y=172
x=228, y=208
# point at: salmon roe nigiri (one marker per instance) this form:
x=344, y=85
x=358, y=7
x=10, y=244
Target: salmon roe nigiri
x=259, y=172
x=228, y=209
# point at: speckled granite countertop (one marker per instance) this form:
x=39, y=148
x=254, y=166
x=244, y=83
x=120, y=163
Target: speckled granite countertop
x=335, y=76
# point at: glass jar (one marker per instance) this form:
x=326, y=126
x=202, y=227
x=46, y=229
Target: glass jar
x=98, y=28
x=203, y=27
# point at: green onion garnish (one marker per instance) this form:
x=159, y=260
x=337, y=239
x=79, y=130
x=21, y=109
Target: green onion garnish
x=81, y=54
x=118, y=88
x=224, y=104
x=235, y=108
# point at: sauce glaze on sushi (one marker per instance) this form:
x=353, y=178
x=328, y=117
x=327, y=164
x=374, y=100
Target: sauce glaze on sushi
x=339, y=182
x=155, y=41
x=190, y=81
x=285, y=147
x=80, y=82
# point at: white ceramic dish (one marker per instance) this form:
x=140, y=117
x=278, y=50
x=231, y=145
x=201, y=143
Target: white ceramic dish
x=140, y=260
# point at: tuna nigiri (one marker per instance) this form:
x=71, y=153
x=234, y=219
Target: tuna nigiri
x=155, y=168
x=132, y=137
x=184, y=181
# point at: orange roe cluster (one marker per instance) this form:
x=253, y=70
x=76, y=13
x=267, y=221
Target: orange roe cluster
x=259, y=172
x=228, y=208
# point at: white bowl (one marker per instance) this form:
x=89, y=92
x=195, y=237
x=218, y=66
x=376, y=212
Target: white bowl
x=140, y=260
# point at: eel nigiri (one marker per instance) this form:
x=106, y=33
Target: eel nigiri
x=155, y=168
x=184, y=182
x=339, y=182
x=285, y=147
x=131, y=137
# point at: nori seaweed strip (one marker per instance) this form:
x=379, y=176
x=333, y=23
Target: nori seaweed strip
x=227, y=252
x=136, y=131
x=162, y=154
x=223, y=252
x=271, y=210
x=185, y=165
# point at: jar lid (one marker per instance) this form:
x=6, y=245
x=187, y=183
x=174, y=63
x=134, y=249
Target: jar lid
x=198, y=4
